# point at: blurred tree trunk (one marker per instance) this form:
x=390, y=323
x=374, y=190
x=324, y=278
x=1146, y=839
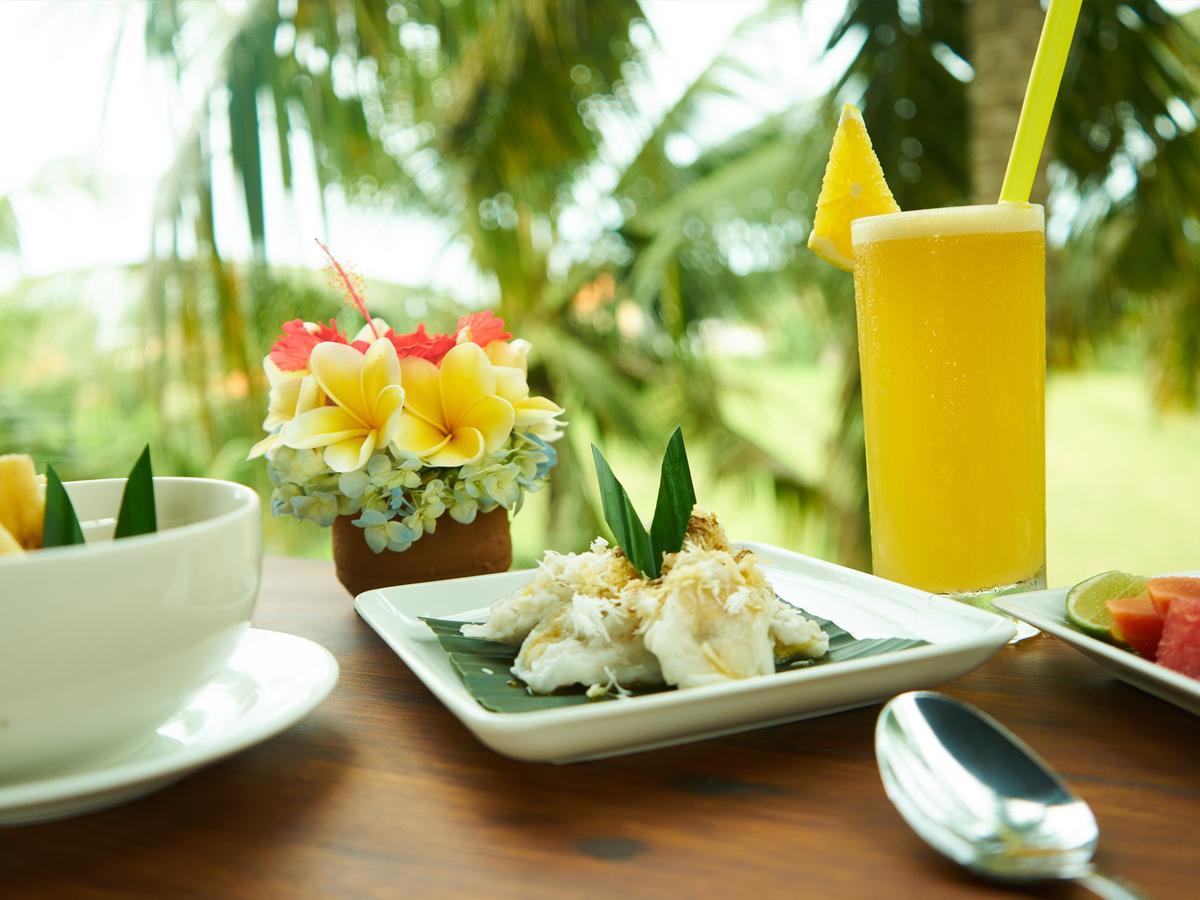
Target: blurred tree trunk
x=1003, y=37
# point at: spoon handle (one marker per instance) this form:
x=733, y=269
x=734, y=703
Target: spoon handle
x=1107, y=887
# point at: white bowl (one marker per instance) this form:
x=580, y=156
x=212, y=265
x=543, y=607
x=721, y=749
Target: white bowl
x=101, y=643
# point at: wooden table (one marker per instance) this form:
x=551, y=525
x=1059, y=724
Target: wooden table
x=382, y=792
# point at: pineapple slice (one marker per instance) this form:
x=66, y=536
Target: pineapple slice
x=22, y=504
x=853, y=187
x=8, y=543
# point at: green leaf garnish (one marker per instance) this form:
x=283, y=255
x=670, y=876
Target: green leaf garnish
x=61, y=525
x=137, y=515
x=484, y=666
x=676, y=499
x=623, y=519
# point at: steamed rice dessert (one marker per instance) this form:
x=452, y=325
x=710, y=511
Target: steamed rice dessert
x=599, y=572
x=592, y=619
x=592, y=641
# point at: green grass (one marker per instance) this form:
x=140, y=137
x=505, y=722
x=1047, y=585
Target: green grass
x=1123, y=482
x=798, y=432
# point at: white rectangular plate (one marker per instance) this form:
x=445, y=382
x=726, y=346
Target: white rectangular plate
x=1047, y=610
x=960, y=638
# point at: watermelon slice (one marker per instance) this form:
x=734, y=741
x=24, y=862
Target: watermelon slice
x=1136, y=623
x=1180, y=646
x=1164, y=590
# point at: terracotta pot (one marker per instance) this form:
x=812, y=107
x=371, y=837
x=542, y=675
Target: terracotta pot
x=453, y=551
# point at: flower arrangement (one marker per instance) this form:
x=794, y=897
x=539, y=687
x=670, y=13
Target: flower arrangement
x=397, y=430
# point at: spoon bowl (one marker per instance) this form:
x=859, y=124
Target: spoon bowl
x=978, y=795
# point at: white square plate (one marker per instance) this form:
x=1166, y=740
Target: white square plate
x=960, y=638
x=1047, y=610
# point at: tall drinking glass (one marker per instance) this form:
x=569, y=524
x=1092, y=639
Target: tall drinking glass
x=952, y=343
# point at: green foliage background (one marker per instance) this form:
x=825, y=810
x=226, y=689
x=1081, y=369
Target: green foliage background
x=497, y=120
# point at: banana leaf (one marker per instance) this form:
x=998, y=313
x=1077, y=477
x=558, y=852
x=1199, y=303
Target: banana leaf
x=484, y=666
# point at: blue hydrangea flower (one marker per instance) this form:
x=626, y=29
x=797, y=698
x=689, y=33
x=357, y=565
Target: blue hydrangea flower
x=281, y=499
x=549, y=457
x=396, y=500
x=384, y=534
x=352, y=484
x=321, y=508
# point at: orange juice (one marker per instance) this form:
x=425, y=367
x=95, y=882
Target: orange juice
x=952, y=343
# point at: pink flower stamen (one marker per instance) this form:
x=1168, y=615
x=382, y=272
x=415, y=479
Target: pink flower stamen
x=353, y=297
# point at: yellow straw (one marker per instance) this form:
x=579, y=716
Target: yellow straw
x=1048, y=67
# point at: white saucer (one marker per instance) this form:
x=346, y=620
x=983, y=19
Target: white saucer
x=1047, y=610
x=270, y=683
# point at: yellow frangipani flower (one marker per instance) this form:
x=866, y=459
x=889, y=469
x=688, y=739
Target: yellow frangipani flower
x=292, y=393
x=508, y=353
x=376, y=326
x=453, y=415
x=368, y=400
x=537, y=414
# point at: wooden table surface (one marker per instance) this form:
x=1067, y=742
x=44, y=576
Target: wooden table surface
x=381, y=792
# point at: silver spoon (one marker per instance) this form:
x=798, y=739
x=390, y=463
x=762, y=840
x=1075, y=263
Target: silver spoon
x=978, y=795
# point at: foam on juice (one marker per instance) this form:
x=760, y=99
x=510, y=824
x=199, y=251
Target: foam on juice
x=998, y=218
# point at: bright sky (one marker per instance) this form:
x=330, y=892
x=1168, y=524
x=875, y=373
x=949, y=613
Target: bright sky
x=82, y=174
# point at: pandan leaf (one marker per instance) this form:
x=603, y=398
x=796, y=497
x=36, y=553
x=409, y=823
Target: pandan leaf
x=484, y=666
x=137, y=515
x=623, y=519
x=61, y=526
x=676, y=498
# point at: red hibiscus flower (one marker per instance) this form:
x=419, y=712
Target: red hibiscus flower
x=485, y=327
x=293, y=348
x=417, y=343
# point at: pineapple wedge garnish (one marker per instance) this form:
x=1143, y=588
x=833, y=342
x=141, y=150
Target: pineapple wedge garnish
x=22, y=505
x=853, y=187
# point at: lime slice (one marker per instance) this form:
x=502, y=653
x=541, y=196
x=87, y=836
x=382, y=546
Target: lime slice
x=1086, y=608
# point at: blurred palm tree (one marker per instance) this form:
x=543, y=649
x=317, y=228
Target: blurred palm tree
x=1124, y=169
x=530, y=129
